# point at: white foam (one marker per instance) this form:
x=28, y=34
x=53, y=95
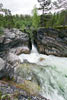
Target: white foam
x=60, y=65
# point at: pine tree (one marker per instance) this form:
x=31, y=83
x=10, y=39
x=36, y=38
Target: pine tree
x=45, y=5
x=35, y=18
x=60, y=6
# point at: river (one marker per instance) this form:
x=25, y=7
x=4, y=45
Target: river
x=53, y=78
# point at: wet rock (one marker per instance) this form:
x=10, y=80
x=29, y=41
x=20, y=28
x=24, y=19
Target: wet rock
x=8, y=66
x=2, y=63
x=20, y=50
x=25, y=78
x=27, y=71
x=12, y=62
x=14, y=41
x=2, y=38
x=2, y=66
x=41, y=59
x=12, y=59
x=51, y=42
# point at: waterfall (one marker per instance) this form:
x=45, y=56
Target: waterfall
x=53, y=78
x=34, y=50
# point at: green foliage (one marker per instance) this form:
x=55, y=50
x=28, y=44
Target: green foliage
x=0, y=95
x=5, y=97
x=1, y=30
x=9, y=22
x=17, y=21
x=61, y=27
x=35, y=18
x=27, y=22
x=56, y=19
x=21, y=22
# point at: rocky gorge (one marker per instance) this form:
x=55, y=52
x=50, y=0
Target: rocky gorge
x=23, y=78
x=13, y=42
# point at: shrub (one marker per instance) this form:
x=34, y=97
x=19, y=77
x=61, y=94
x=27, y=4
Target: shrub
x=6, y=97
x=1, y=31
x=0, y=95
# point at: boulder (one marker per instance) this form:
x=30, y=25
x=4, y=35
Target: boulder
x=6, y=69
x=12, y=59
x=51, y=42
x=27, y=71
x=23, y=75
x=2, y=38
x=20, y=50
x=8, y=66
x=2, y=66
x=16, y=40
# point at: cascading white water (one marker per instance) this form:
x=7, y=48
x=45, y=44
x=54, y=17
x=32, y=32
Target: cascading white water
x=34, y=50
x=53, y=78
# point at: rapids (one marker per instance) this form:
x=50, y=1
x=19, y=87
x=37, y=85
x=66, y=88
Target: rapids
x=53, y=78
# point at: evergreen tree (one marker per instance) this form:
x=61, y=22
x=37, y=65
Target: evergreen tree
x=45, y=5
x=35, y=18
x=61, y=5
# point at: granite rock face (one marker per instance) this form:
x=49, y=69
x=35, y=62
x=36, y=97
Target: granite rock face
x=13, y=40
x=51, y=41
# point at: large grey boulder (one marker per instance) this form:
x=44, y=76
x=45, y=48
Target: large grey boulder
x=15, y=39
x=6, y=70
x=51, y=41
x=12, y=63
x=8, y=66
x=26, y=71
